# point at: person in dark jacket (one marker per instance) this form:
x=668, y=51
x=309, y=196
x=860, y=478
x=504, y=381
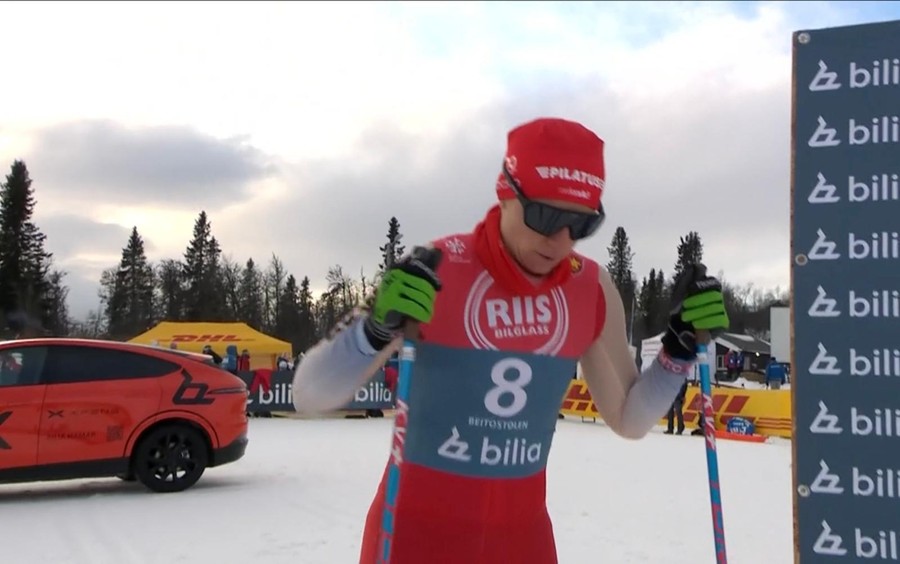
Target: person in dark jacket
x=207, y=349
x=677, y=411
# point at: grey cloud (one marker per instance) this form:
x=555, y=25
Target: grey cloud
x=82, y=248
x=68, y=235
x=83, y=296
x=167, y=166
x=718, y=166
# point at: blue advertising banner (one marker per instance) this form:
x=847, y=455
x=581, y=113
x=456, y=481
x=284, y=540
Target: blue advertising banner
x=845, y=245
x=276, y=394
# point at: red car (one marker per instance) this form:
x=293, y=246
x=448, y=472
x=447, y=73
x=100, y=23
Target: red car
x=74, y=408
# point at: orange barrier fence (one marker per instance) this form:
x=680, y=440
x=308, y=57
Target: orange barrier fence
x=768, y=410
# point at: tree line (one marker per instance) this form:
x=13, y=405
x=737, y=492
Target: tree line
x=205, y=284
x=647, y=303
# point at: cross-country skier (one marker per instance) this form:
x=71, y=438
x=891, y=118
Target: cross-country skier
x=505, y=316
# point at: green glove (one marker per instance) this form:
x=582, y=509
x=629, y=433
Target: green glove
x=407, y=292
x=698, y=306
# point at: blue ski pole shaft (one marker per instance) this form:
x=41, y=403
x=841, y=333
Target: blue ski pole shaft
x=398, y=441
x=712, y=459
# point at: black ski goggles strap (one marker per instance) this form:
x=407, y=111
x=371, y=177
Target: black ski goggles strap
x=549, y=220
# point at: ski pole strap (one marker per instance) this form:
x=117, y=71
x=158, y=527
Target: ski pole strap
x=674, y=365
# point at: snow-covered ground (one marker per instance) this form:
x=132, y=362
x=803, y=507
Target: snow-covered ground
x=301, y=494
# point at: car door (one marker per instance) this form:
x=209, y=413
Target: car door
x=95, y=398
x=21, y=397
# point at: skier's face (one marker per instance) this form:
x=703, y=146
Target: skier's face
x=536, y=253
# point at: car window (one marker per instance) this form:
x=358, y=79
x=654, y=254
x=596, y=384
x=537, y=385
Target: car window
x=21, y=366
x=68, y=364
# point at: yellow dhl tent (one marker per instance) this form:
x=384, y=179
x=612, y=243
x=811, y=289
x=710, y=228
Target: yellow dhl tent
x=264, y=350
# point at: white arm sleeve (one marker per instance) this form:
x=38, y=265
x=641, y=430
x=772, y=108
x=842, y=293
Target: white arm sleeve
x=649, y=399
x=330, y=372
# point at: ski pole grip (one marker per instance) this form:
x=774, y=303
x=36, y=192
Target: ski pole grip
x=411, y=330
x=703, y=337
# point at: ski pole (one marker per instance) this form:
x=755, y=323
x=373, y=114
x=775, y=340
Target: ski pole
x=712, y=460
x=398, y=440
x=427, y=258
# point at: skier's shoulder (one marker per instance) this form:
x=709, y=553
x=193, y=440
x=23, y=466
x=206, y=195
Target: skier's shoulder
x=456, y=244
x=587, y=268
x=456, y=248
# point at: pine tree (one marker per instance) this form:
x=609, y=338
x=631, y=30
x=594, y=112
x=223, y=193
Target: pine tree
x=273, y=287
x=250, y=294
x=344, y=290
x=170, y=290
x=653, y=304
x=327, y=311
x=392, y=250
x=690, y=251
x=230, y=276
x=57, y=322
x=129, y=306
x=288, y=322
x=621, y=272
x=307, y=334
x=201, y=274
x=25, y=285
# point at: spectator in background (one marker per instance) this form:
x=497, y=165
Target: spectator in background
x=776, y=375
x=731, y=364
x=231, y=356
x=243, y=362
x=677, y=411
x=284, y=363
x=208, y=350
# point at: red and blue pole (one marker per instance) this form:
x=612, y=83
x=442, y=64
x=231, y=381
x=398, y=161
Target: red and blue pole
x=398, y=441
x=712, y=459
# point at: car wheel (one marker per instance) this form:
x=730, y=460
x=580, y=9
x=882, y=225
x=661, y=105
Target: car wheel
x=171, y=458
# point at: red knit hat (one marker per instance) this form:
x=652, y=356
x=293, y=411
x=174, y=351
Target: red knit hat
x=557, y=159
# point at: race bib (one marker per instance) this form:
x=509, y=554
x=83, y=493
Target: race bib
x=484, y=413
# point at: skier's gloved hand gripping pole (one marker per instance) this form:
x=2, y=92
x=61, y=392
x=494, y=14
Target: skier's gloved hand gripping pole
x=698, y=316
x=404, y=299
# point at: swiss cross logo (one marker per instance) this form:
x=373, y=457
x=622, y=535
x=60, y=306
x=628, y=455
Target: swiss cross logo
x=456, y=246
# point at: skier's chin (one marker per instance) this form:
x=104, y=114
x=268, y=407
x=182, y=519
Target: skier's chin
x=539, y=264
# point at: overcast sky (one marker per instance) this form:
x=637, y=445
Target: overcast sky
x=301, y=127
